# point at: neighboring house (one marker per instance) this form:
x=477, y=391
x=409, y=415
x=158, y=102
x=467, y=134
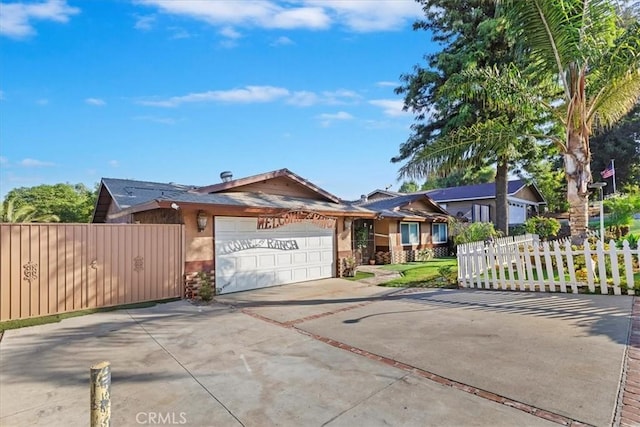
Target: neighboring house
x=477, y=203
x=267, y=229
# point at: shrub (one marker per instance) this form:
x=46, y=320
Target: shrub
x=205, y=290
x=543, y=227
x=475, y=232
x=447, y=275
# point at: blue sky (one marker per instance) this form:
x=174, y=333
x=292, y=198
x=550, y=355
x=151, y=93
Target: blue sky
x=182, y=90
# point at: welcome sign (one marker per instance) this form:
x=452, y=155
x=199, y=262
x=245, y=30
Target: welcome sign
x=292, y=217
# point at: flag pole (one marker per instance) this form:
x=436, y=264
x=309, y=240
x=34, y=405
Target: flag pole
x=613, y=167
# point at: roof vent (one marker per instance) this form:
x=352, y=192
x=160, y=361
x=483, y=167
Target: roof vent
x=226, y=176
x=364, y=198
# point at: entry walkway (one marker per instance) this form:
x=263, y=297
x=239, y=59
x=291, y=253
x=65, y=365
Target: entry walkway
x=381, y=275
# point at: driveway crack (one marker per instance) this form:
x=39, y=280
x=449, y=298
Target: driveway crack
x=213, y=396
x=364, y=399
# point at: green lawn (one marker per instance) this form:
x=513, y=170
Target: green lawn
x=422, y=274
x=360, y=275
x=55, y=318
x=635, y=227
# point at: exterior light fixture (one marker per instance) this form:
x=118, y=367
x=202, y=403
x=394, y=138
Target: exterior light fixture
x=202, y=221
x=347, y=223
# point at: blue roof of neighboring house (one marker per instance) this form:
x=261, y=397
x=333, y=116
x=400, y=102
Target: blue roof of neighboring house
x=477, y=191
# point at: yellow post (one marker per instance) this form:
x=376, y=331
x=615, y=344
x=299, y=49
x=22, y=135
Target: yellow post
x=101, y=394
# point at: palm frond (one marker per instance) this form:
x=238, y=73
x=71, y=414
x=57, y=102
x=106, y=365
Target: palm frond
x=466, y=147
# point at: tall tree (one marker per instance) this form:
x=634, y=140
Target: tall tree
x=25, y=213
x=70, y=203
x=472, y=37
x=597, y=65
x=622, y=144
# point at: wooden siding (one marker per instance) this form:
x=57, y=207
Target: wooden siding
x=54, y=268
x=280, y=186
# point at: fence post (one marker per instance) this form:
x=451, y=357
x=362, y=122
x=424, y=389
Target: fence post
x=101, y=394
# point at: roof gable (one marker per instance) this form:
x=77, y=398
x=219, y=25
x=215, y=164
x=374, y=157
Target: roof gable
x=281, y=182
x=411, y=203
x=125, y=193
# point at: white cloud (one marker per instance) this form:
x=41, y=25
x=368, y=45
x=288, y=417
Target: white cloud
x=4, y=160
x=42, y=101
x=341, y=96
x=95, y=101
x=154, y=119
x=282, y=41
x=145, y=22
x=387, y=84
x=230, y=33
x=32, y=163
x=179, y=33
x=252, y=13
x=390, y=107
x=114, y=163
x=355, y=15
x=246, y=95
x=17, y=19
x=371, y=15
x=303, y=98
x=328, y=118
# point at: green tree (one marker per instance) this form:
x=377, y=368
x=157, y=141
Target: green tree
x=461, y=177
x=70, y=203
x=548, y=175
x=448, y=95
x=597, y=65
x=621, y=143
x=409, y=187
x=25, y=213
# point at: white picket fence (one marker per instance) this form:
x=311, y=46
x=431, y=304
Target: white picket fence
x=526, y=264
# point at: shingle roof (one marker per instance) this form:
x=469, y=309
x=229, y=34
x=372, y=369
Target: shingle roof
x=392, y=206
x=261, y=200
x=478, y=191
x=128, y=192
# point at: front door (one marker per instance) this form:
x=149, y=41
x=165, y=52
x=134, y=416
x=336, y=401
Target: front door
x=363, y=240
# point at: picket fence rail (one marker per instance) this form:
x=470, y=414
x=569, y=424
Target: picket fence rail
x=525, y=263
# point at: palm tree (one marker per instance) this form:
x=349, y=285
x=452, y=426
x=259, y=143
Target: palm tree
x=508, y=134
x=597, y=65
x=25, y=213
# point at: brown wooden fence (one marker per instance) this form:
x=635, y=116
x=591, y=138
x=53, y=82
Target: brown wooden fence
x=53, y=268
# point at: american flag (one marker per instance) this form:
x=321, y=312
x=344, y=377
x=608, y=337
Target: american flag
x=609, y=171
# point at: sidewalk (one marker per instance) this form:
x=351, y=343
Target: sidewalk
x=381, y=275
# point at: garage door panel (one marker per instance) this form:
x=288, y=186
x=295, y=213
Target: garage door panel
x=247, y=263
x=299, y=258
x=284, y=259
x=248, y=258
x=314, y=257
x=267, y=261
x=284, y=276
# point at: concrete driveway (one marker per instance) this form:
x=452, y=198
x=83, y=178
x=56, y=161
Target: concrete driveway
x=329, y=352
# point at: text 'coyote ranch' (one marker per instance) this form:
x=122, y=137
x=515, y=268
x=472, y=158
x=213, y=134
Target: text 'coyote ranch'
x=292, y=217
x=244, y=244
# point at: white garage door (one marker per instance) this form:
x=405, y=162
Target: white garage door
x=517, y=213
x=248, y=258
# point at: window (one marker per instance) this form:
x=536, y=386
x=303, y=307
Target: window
x=438, y=233
x=410, y=233
x=480, y=213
